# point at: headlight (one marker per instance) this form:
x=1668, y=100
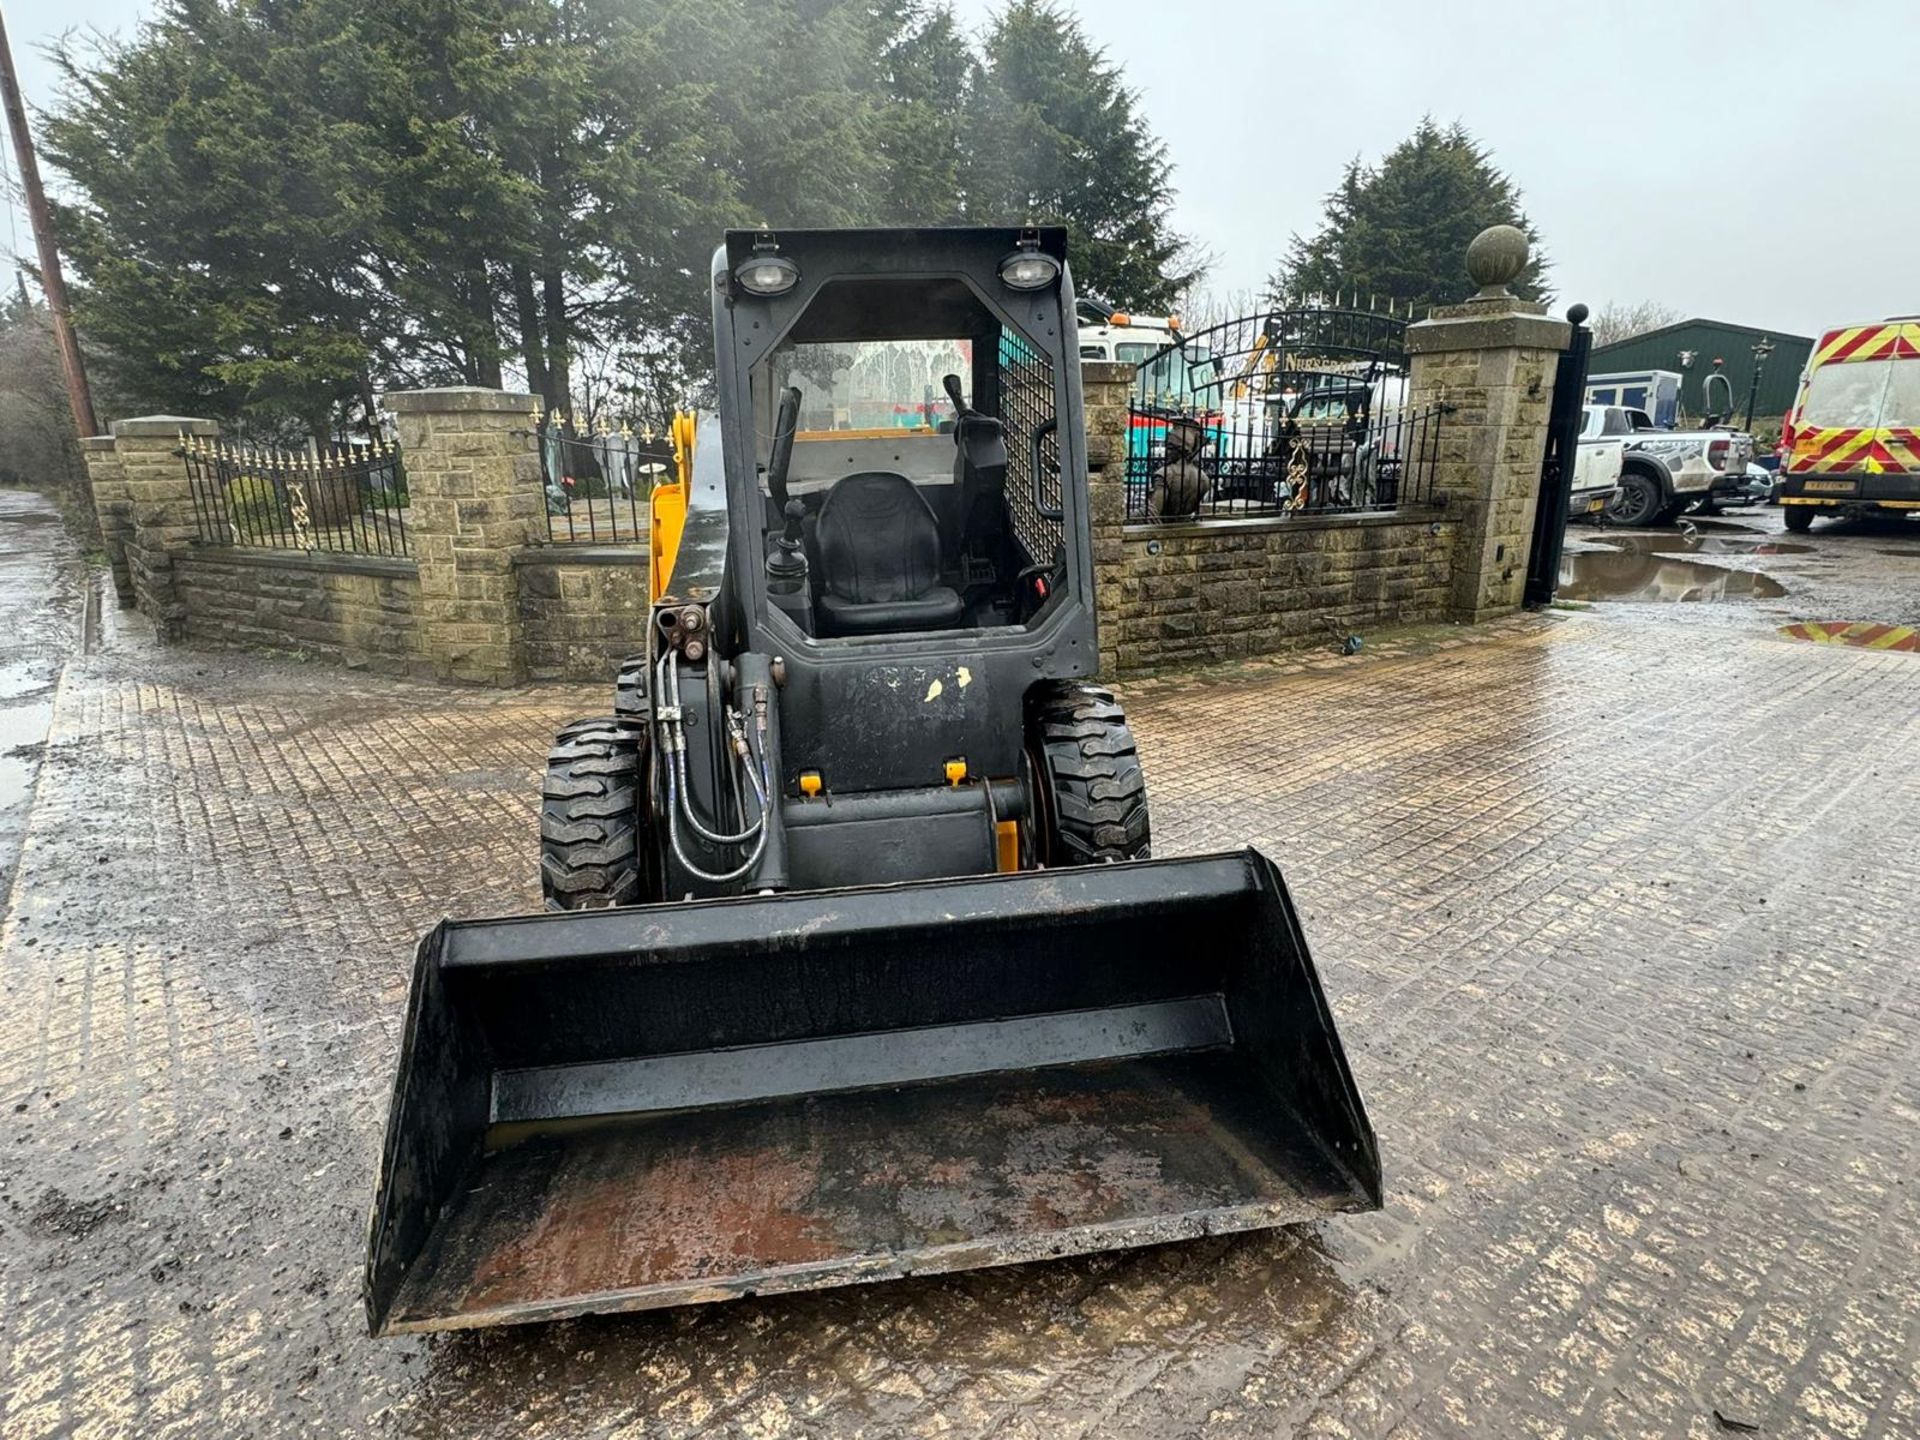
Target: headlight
x=766, y=274
x=1029, y=270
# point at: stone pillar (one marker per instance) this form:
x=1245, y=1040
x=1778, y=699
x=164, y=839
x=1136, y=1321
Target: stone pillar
x=474, y=498
x=1106, y=387
x=1493, y=360
x=154, y=474
x=113, y=510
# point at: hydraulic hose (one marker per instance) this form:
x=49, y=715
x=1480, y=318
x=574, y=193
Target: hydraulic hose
x=672, y=740
x=679, y=849
x=745, y=762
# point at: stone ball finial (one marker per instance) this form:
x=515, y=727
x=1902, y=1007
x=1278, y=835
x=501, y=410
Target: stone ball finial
x=1577, y=315
x=1495, y=258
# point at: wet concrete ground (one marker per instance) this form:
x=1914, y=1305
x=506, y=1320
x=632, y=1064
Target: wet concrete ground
x=1838, y=568
x=41, y=584
x=1613, y=907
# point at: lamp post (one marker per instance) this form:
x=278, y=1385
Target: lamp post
x=1761, y=350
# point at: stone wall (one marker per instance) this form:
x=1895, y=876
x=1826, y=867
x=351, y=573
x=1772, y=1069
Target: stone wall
x=159, y=502
x=1230, y=589
x=1492, y=361
x=484, y=600
x=1225, y=589
x=114, y=510
x=451, y=610
x=582, y=609
x=360, y=611
x=474, y=480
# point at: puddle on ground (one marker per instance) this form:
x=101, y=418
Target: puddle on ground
x=1684, y=542
x=23, y=731
x=1903, y=551
x=1634, y=575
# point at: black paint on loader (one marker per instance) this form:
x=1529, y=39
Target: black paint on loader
x=626, y=1109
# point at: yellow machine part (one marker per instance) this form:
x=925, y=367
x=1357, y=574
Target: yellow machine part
x=1006, y=840
x=667, y=509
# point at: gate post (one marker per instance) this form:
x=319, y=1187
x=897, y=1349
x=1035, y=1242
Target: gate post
x=159, y=496
x=1558, y=464
x=1105, y=386
x=113, y=510
x=473, y=487
x=1493, y=361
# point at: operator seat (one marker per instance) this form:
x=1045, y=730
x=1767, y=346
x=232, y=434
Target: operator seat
x=879, y=549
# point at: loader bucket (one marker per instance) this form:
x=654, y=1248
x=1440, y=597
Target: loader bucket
x=626, y=1109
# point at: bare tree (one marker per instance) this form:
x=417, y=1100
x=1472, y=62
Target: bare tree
x=36, y=428
x=1617, y=320
x=1202, y=308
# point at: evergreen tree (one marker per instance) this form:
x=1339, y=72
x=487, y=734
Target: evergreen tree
x=928, y=74
x=285, y=206
x=1400, y=229
x=1055, y=136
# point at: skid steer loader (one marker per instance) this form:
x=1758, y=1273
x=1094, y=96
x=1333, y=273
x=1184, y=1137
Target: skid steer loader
x=836, y=983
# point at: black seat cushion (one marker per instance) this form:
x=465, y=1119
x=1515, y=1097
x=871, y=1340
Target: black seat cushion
x=880, y=558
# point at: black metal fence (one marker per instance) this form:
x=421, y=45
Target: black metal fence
x=346, y=499
x=1283, y=412
x=597, y=483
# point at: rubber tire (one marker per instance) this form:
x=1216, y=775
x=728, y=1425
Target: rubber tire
x=1798, y=518
x=1646, y=501
x=1090, y=801
x=631, y=700
x=590, y=855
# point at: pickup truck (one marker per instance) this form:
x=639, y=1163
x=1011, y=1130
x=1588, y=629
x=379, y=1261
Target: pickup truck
x=1597, y=463
x=1664, y=472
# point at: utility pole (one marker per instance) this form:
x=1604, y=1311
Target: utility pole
x=79, y=398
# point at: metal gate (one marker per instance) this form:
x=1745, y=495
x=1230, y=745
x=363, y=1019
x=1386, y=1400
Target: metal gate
x=1557, y=464
x=1298, y=409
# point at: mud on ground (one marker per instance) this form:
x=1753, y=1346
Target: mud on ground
x=1613, y=907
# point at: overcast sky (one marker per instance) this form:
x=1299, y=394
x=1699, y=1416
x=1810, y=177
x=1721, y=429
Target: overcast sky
x=1728, y=160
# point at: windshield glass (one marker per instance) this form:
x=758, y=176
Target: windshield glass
x=1847, y=396
x=873, y=384
x=1185, y=375
x=1902, y=405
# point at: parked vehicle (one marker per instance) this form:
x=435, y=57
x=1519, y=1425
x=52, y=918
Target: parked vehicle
x=1338, y=441
x=1851, y=443
x=1655, y=391
x=1597, y=464
x=1667, y=471
x=1180, y=379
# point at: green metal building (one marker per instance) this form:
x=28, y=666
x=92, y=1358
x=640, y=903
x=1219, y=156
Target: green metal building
x=1704, y=341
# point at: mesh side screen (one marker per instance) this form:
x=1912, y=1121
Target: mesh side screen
x=1026, y=403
